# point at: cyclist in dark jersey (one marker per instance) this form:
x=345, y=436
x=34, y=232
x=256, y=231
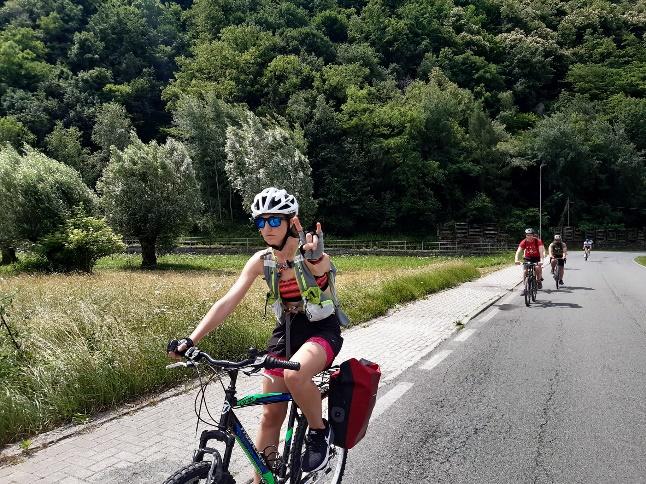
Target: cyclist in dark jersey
x=315, y=339
x=558, y=255
x=532, y=249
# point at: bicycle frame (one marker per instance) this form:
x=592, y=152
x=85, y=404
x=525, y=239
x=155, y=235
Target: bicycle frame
x=230, y=430
x=530, y=270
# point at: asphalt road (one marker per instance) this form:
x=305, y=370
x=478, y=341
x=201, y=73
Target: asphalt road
x=551, y=393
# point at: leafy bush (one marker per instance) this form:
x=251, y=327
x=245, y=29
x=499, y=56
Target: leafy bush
x=79, y=243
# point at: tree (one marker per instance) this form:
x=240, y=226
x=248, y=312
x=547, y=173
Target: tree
x=229, y=66
x=149, y=191
x=43, y=193
x=283, y=77
x=112, y=128
x=588, y=159
x=14, y=132
x=261, y=154
x=64, y=144
x=201, y=122
x=9, y=238
x=22, y=61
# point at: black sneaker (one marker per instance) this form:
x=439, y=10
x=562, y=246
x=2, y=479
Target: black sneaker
x=317, y=448
x=540, y=284
x=561, y=282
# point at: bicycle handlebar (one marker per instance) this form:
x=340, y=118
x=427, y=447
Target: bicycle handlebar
x=257, y=362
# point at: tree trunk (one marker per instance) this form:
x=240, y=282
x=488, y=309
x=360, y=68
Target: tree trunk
x=8, y=256
x=149, y=257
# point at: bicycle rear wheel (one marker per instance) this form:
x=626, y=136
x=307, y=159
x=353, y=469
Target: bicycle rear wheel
x=330, y=474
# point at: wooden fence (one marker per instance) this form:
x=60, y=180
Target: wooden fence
x=199, y=245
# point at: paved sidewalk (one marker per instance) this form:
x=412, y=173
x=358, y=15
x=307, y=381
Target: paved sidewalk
x=147, y=445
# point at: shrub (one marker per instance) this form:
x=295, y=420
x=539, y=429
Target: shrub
x=80, y=243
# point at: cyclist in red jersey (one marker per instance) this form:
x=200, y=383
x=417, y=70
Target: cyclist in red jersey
x=533, y=250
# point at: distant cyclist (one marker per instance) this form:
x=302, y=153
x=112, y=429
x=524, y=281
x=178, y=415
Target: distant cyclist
x=587, y=246
x=558, y=255
x=533, y=250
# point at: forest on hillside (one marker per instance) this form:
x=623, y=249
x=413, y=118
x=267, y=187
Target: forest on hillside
x=401, y=114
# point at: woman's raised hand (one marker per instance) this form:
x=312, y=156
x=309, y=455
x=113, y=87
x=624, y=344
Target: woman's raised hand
x=311, y=243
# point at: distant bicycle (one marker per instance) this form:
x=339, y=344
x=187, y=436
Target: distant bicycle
x=211, y=467
x=555, y=274
x=556, y=270
x=587, y=252
x=531, y=284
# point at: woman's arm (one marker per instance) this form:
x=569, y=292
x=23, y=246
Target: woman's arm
x=321, y=267
x=227, y=303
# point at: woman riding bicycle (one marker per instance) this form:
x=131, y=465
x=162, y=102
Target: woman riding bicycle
x=301, y=281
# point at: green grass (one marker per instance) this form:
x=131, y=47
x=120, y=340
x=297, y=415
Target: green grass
x=91, y=342
x=641, y=260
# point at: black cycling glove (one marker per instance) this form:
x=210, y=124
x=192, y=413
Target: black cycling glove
x=174, y=344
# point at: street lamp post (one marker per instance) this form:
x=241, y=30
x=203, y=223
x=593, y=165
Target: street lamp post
x=540, y=201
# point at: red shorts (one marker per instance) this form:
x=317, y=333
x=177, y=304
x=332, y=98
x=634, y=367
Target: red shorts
x=329, y=354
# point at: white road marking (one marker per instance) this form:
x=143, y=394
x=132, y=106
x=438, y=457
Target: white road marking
x=435, y=360
x=464, y=334
x=489, y=315
x=390, y=397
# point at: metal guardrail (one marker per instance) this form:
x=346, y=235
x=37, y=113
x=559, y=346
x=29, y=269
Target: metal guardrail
x=228, y=245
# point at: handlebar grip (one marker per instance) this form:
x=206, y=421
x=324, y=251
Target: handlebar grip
x=272, y=362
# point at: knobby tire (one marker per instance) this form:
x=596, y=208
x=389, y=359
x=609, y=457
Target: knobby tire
x=195, y=473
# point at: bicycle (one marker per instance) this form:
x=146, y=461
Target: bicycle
x=587, y=252
x=531, y=285
x=271, y=466
x=556, y=270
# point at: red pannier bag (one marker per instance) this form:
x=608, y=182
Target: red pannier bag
x=353, y=393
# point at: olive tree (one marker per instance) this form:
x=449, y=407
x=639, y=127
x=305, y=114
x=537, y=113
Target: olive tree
x=149, y=191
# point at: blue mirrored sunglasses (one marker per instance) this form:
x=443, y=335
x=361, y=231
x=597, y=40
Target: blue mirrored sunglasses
x=273, y=221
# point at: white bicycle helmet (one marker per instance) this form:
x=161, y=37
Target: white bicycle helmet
x=557, y=237
x=274, y=200
x=529, y=231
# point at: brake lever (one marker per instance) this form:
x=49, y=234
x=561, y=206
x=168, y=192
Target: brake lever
x=252, y=372
x=255, y=373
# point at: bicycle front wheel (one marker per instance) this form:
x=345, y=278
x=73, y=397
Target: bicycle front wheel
x=332, y=473
x=528, y=288
x=195, y=473
x=534, y=289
